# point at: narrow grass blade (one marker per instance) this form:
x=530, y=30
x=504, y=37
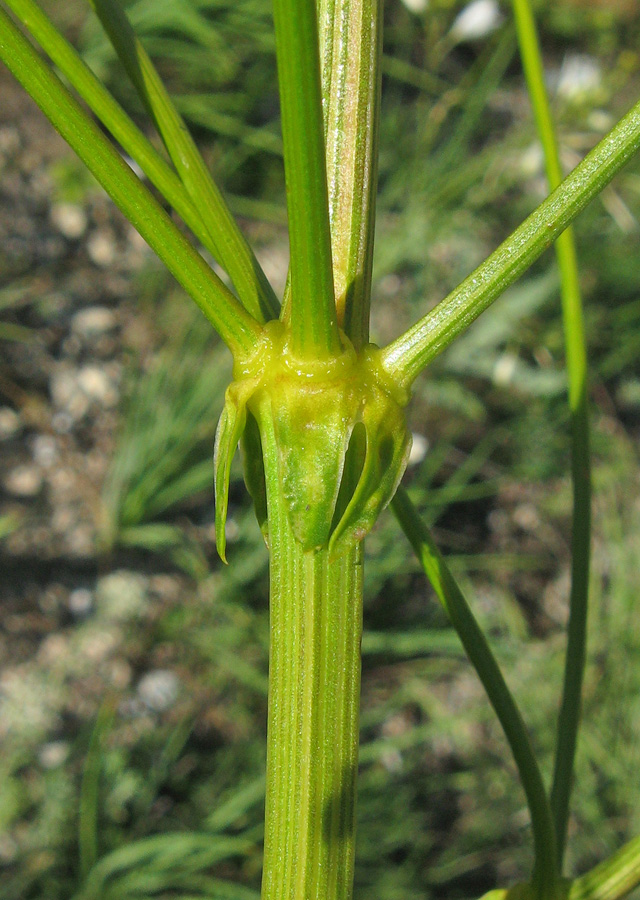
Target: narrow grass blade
x=576, y=363
x=161, y=862
x=351, y=49
x=88, y=811
x=409, y=354
x=484, y=662
x=231, y=249
x=115, y=119
x=612, y=879
x=313, y=313
x=237, y=328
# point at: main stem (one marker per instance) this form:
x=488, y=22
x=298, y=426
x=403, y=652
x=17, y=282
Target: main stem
x=314, y=693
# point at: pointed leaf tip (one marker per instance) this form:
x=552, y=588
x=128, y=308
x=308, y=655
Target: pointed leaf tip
x=230, y=428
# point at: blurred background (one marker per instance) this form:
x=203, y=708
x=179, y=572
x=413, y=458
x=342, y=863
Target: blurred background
x=133, y=665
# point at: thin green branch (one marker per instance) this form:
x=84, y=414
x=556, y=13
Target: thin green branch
x=236, y=327
x=351, y=50
x=478, y=650
x=312, y=313
x=576, y=356
x=111, y=114
x=231, y=249
x=409, y=354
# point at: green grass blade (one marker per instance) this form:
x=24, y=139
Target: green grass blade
x=111, y=114
x=612, y=879
x=312, y=310
x=237, y=328
x=88, y=810
x=484, y=662
x=576, y=363
x=231, y=249
x=409, y=354
x=351, y=49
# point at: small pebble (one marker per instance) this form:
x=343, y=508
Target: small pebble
x=70, y=220
x=121, y=596
x=73, y=390
x=45, y=450
x=159, y=689
x=53, y=754
x=580, y=77
x=97, y=385
x=62, y=422
x=23, y=481
x=416, y=6
x=93, y=321
x=9, y=140
x=477, y=20
x=80, y=601
x=419, y=447
x=101, y=248
x=10, y=423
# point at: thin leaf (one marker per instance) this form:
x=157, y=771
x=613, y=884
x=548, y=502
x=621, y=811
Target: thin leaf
x=231, y=249
x=313, y=315
x=408, y=355
x=236, y=327
x=88, y=811
x=158, y=861
x=482, y=659
x=237, y=805
x=111, y=114
x=576, y=363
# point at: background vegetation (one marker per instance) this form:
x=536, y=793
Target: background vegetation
x=134, y=670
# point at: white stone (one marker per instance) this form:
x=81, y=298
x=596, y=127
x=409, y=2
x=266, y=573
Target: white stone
x=96, y=385
x=93, y=321
x=10, y=423
x=53, y=754
x=66, y=394
x=504, y=369
x=23, y=481
x=121, y=596
x=45, y=450
x=101, y=248
x=416, y=6
x=580, y=77
x=419, y=447
x=9, y=140
x=70, y=220
x=159, y=689
x=73, y=390
x=476, y=21
x=80, y=601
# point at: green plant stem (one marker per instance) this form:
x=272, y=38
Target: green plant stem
x=576, y=356
x=612, y=879
x=236, y=327
x=313, y=320
x=111, y=114
x=545, y=877
x=231, y=249
x=409, y=354
x=314, y=689
x=351, y=50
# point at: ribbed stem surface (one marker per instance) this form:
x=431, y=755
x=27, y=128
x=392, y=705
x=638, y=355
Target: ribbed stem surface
x=314, y=692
